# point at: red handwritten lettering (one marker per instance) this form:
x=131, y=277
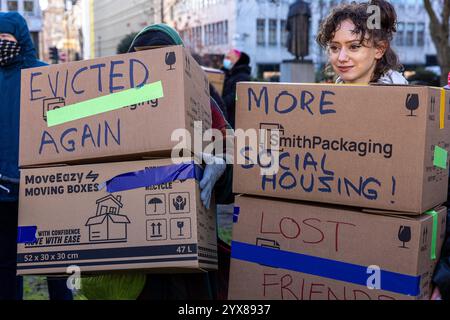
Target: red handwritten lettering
x=294, y=225
x=262, y=226
x=286, y=286
x=313, y=227
x=337, y=232
x=311, y=291
x=265, y=284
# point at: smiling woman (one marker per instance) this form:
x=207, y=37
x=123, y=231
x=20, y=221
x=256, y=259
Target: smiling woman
x=358, y=39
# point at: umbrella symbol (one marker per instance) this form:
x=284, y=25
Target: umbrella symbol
x=155, y=201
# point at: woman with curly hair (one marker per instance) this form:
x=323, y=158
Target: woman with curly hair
x=360, y=52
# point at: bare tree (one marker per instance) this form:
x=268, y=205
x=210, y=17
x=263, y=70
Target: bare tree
x=440, y=33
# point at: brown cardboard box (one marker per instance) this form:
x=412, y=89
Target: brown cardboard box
x=291, y=250
x=216, y=78
x=129, y=133
x=162, y=227
x=365, y=146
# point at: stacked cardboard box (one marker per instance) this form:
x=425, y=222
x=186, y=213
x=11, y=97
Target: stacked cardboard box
x=92, y=193
x=216, y=78
x=376, y=156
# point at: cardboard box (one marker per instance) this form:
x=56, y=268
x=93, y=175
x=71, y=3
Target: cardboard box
x=381, y=147
x=130, y=133
x=291, y=250
x=216, y=78
x=159, y=228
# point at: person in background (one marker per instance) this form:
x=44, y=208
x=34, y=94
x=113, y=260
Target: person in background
x=16, y=53
x=211, y=285
x=363, y=55
x=204, y=286
x=236, y=66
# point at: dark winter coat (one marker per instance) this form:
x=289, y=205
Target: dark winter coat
x=239, y=73
x=13, y=23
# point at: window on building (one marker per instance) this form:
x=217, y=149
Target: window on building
x=28, y=6
x=112, y=210
x=260, y=32
x=410, y=34
x=198, y=35
x=400, y=34
x=421, y=34
x=284, y=33
x=226, y=32
x=215, y=34
x=272, y=32
x=206, y=35
x=12, y=5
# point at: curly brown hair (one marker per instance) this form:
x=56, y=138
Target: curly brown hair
x=359, y=15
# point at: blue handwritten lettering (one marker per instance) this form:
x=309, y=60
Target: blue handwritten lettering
x=99, y=77
x=324, y=103
x=47, y=138
x=33, y=91
x=70, y=142
x=75, y=77
x=132, y=80
x=288, y=109
x=113, y=75
x=263, y=94
x=305, y=104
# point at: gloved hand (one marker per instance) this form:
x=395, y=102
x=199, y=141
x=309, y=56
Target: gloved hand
x=215, y=167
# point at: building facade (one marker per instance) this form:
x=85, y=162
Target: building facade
x=112, y=20
x=212, y=27
x=31, y=10
x=62, y=29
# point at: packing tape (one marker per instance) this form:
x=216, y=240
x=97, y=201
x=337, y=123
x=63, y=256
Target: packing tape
x=434, y=232
x=153, y=176
x=236, y=212
x=440, y=157
x=104, y=104
x=336, y=270
x=442, y=110
x=26, y=234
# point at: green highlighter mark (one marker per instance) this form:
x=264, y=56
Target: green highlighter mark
x=440, y=157
x=104, y=104
x=435, y=216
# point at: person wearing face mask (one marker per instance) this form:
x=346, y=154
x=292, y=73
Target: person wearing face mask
x=237, y=69
x=17, y=52
x=363, y=55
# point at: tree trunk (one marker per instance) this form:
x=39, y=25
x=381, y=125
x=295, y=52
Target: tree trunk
x=440, y=33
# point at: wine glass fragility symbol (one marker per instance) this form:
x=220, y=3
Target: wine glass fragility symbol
x=180, y=225
x=404, y=235
x=171, y=59
x=412, y=103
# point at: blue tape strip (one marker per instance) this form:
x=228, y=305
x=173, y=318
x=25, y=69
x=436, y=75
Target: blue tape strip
x=342, y=271
x=236, y=212
x=154, y=176
x=26, y=234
